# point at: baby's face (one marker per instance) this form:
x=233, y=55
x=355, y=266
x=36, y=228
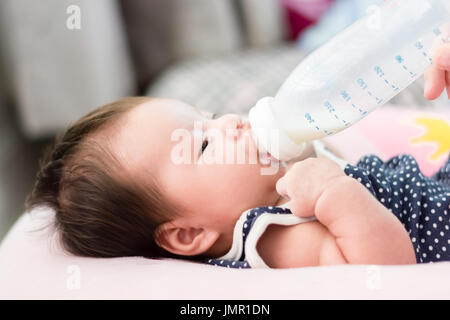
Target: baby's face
x=178, y=144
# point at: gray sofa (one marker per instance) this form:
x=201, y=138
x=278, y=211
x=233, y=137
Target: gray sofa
x=55, y=73
x=220, y=55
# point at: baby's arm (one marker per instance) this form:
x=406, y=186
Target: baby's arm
x=364, y=230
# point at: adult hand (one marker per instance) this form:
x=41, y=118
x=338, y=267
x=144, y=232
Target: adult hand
x=437, y=78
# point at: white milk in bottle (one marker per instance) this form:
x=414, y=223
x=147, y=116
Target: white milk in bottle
x=358, y=70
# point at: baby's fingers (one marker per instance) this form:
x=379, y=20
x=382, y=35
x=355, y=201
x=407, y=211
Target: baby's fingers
x=300, y=204
x=281, y=187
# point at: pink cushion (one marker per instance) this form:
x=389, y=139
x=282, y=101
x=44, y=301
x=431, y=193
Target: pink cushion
x=393, y=130
x=32, y=266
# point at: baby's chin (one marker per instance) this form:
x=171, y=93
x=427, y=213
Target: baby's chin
x=269, y=165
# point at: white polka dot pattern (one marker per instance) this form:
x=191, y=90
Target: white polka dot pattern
x=421, y=203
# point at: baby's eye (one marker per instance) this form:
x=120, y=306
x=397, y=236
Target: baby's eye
x=205, y=142
x=204, y=145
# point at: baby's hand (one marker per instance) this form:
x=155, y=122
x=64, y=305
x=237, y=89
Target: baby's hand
x=304, y=183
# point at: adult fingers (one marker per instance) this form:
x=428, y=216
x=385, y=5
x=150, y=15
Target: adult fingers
x=447, y=78
x=435, y=83
x=442, y=57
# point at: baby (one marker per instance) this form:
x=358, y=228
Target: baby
x=118, y=187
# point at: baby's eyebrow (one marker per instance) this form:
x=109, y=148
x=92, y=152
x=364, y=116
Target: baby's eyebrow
x=198, y=110
x=204, y=113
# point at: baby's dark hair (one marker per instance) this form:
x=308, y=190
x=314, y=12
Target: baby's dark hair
x=100, y=210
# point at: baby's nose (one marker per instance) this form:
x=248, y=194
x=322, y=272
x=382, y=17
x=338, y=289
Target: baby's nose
x=232, y=124
x=237, y=131
x=232, y=133
x=231, y=120
x=246, y=125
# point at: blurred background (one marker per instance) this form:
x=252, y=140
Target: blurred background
x=60, y=59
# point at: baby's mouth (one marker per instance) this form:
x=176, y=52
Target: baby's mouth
x=246, y=125
x=272, y=158
x=264, y=157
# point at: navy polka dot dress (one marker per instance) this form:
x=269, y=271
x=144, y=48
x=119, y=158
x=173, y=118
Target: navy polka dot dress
x=421, y=203
x=243, y=253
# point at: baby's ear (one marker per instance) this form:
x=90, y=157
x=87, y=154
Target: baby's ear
x=185, y=240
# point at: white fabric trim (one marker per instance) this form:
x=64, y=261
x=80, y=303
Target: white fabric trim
x=321, y=150
x=236, y=247
x=260, y=225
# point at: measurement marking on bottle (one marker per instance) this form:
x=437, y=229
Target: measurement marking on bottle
x=345, y=95
x=438, y=32
x=419, y=45
x=363, y=112
x=379, y=71
x=330, y=107
x=363, y=85
x=312, y=121
x=400, y=59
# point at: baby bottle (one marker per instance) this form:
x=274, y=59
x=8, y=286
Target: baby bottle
x=358, y=70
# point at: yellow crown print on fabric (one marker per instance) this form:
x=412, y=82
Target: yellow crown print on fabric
x=437, y=132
